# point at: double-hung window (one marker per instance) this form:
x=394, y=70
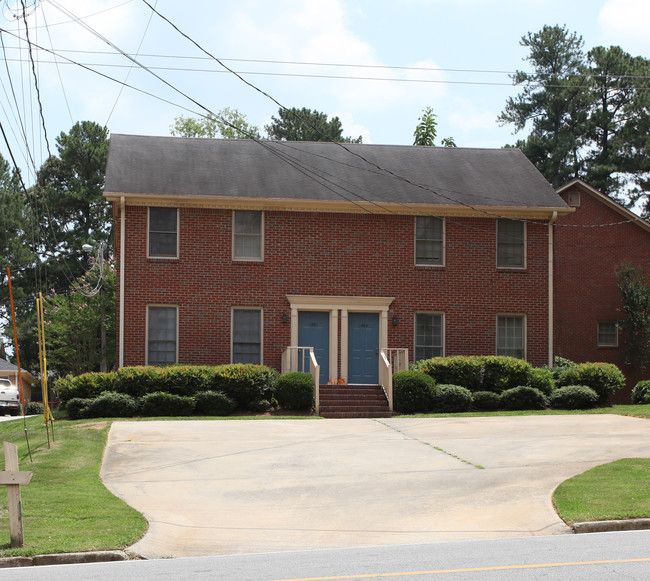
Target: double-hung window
x=607, y=335
x=247, y=336
x=429, y=235
x=511, y=238
x=511, y=336
x=163, y=232
x=162, y=335
x=248, y=235
x=429, y=334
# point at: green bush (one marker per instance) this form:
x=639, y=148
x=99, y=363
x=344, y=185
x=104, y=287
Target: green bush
x=603, y=378
x=161, y=403
x=501, y=373
x=76, y=407
x=111, y=404
x=559, y=365
x=452, y=399
x=465, y=371
x=214, y=403
x=413, y=392
x=523, y=397
x=87, y=385
x=34, y=408
x=487, y=401
x=573, y=397
x=541, y=378
x=246, y=383
x=259, y=406
x=641, y=393
x=294, y=391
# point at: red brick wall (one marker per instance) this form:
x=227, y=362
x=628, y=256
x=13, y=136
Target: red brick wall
x=330, y=254
x=586, y=292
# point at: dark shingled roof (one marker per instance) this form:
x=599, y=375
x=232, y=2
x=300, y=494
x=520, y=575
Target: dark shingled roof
x=6, y=366
x=161, y=166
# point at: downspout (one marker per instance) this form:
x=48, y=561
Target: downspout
x=122, y=266
x=551, y=257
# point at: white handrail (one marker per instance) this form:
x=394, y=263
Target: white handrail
x=300, y=359
x=386, y=378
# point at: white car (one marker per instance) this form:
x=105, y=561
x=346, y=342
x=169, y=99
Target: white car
x=9, y=398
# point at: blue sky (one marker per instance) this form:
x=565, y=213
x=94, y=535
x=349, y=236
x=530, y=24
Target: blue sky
x=434, y=42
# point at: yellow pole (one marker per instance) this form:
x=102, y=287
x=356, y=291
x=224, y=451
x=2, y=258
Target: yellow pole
x=47, y=413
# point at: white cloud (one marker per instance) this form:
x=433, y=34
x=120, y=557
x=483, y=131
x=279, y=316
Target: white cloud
x=625, y=23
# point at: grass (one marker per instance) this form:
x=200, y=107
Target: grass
x=639, y=411
x=618, y=490
x=66, y=508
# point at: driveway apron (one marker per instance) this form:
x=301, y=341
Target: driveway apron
x=229, y=487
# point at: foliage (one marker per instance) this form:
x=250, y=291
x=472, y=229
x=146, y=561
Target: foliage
x=541, y=378
x=34, y=408
x=523, y=397
x=603, y=378
x=306, y=125
x=160, y=403
x=111, y=404
x=500, y=373
x=573, y=397
x=486, y=401
x=259, y=406
x=226, y=124
x=294, y=391
x=635, y=290
x=76, y=407
x=641, y=393
x=459, y=370
x=214, y=403
x=248, y=384
x=426, y=130
x=452, y=399
x=413, y=391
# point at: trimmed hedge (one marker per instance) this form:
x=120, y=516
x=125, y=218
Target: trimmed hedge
x=111, y=404
x=450, y=399
x=76, y=406
x=294, y=391
x=161, y=403
x=486, y=401
x=573, y=397
x=641, y=393
x=465, y=371
x=214, y=403
x=523, y=397
x=541, y=378
x=34, y=408
x=413, y=392
x=501, y=373
x=603, y=378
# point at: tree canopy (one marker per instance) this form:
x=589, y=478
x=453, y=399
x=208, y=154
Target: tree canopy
x=306, y=125
x=426, y=130
x=226, y=124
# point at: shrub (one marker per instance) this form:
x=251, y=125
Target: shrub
x=413, y=392
x=259, y=406
x=465, y=371
x=214, y=403
x=452, y=399
x=76, y=407
x=486, y=401
x=246, y=383
x=501, y=373
x=87, y=385
x=603, y=378
x=161, y=403
x=294, y=391
x=641, y=393
x=559, y=365
x=111, y=405
x=523, y=397
x=573, y=397
x=34, y=408
x=541, y=378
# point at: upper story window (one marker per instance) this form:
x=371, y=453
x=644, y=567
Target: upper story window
x=607, y=335
x=248, y=235
x=511, y=248
x=163, y=232
x=511, y=336
x=429, y=235
x=162, y=335
x=429, y=331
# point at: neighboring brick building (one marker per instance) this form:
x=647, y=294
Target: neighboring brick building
x=233, y=250
x=590, y=244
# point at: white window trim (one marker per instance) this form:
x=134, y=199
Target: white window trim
x=415, y=330
x=232, y=330
x=146, y=344
x=415, y=243
x=525, y=331
x=251, y=258
x=606, y=345
x=178, y=234
x=525, y=253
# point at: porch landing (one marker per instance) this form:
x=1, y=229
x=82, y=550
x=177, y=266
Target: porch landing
x=353, y=401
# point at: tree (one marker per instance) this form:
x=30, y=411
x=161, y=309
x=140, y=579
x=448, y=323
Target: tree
x=74, y=320
x=427, y=130
x=306, y=125
x=226, y=124
x=635, y=290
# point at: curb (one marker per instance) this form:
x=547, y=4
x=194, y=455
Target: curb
x=66, y=559
x=604, y=526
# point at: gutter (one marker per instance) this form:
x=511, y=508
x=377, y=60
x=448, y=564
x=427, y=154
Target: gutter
x=122, y=266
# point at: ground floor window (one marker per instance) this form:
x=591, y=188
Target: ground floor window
x=607, y=335
x=247, y=336
x=511, y=336
x=428, y=335
x=162, y=335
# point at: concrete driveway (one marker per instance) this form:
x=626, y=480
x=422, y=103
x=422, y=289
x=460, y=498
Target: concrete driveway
x=227, y=487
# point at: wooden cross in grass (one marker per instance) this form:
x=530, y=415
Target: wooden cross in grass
x=13, y=480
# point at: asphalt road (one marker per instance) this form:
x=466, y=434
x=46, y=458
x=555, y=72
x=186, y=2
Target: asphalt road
x=601, y=556
x=234, y=487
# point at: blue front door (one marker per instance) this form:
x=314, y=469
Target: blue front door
x=314, y=331
x=363, y=348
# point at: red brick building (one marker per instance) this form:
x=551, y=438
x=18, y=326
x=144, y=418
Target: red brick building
x=590, y=244
x=235, y=250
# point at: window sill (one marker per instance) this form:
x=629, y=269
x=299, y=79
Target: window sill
x=247, y=261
